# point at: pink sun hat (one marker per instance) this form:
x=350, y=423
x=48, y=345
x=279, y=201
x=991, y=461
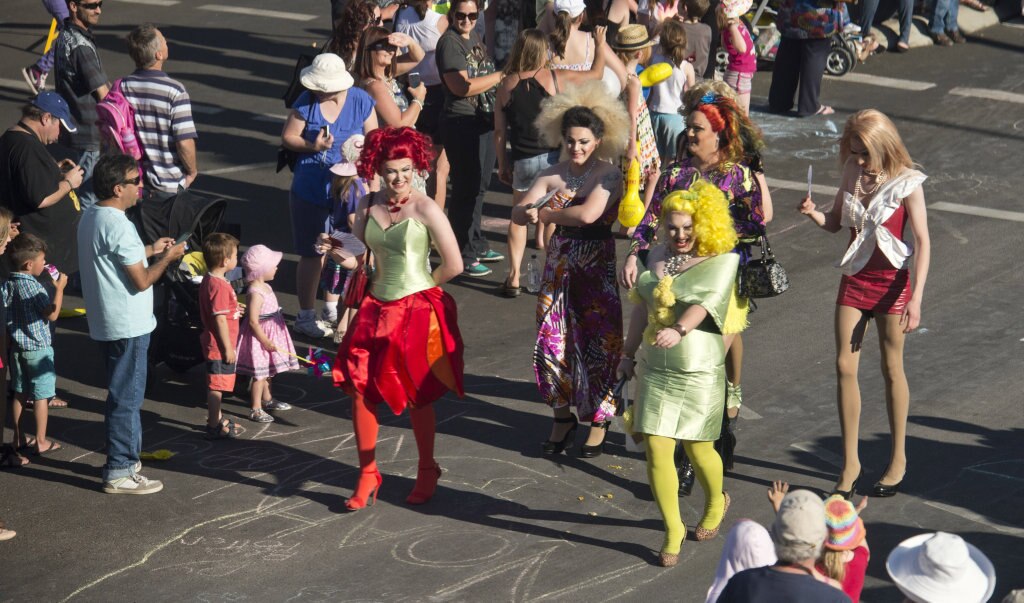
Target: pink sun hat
x=259, y=260
x=735, y=8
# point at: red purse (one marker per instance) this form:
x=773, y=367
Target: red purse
x=358, y=285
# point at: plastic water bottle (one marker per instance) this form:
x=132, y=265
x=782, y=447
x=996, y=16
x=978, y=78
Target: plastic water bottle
x=533, y=274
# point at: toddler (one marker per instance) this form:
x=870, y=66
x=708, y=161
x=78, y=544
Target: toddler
x=219, y=311
x=29, y=314
x=698, y=35
x=666, y=97
x=845, y=556
x=737, y=42
x=347, y=188
x=265, y=347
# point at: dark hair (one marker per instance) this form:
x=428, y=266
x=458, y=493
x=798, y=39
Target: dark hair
x=673, y=41
x=364, y=58
x=582, y=117
x=560, y=36
x=529, y=53
x=348, y=29
x=30, y=111
x=454, y=3
x=217, y=247
x=696, y=9
x=110, y=171
x=24, y=248
x=143, y=44
x=420, y=6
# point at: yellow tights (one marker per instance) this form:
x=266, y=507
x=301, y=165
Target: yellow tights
x=661, y=471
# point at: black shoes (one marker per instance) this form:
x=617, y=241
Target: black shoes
x=847, y=494
x=552, y=447
x=589, y=452
x=881, y=490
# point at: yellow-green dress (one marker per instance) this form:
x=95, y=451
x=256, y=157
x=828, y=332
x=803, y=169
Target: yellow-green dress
x=681, y=391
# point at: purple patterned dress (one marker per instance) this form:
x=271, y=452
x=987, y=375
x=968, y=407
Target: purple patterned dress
x=579, y=317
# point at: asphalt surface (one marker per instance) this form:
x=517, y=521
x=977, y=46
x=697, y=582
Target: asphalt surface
x=261, y=518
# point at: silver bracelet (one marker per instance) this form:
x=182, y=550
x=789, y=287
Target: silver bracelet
x=418, y=102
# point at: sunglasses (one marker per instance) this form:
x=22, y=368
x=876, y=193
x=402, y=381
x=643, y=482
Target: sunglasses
x=134, y=181
x=461, y=16
x=91, y=5
x=383, y=46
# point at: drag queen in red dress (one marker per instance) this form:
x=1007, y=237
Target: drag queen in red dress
x=403, y=349
x=879, y=195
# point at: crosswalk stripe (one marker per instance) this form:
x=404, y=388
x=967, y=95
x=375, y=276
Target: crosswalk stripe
x=984, y=212
x=239, y=168
x=793, y=185
x=999, y=95
x=885, y=82
x=244, y=10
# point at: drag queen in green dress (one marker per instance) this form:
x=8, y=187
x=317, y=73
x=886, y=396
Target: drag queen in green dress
x=676, y=326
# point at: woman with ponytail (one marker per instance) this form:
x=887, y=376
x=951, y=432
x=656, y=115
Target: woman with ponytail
x=572, y=49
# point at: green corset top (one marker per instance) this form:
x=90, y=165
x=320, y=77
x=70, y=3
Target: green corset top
x=401, y=254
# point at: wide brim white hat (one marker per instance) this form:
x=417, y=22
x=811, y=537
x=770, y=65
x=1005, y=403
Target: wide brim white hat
x=326, y=74
x=941, y=568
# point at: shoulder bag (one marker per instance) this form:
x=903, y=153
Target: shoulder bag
x=764, y=277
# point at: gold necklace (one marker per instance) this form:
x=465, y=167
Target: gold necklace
x=859, y=194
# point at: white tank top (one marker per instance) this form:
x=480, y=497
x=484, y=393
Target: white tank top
x=425, y=33
x=667, y=96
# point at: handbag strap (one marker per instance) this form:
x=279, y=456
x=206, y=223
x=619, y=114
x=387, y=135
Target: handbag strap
x=766, y=248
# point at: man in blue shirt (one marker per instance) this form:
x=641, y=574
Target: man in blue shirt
x=117, y=282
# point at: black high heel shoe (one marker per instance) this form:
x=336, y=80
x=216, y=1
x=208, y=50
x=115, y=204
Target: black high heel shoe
x=552, y=447
x=847, y=494
x=880, y=490
x=589, y=452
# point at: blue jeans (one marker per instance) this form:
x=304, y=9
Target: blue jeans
x=126, y=373
x=904, y=8
x=86, y=196
x=944, y=14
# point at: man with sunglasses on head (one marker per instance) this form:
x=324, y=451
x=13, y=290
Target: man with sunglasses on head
x=80, y=79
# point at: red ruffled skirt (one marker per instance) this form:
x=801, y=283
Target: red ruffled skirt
x=402, y=352
x=882, y=291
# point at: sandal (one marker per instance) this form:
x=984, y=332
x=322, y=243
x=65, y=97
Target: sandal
x=260, y=416
x=29, y=444
x=56, y=402
x=54, y=447
x=225, y=430
x=825, y=110
x=507, y=290
x=6, y=534
x=10, y=459
x=976, y=5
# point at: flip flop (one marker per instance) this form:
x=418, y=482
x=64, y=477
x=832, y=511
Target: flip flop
x=54, y=447
x=27, y=446
x=56, y=402
x=825, y=110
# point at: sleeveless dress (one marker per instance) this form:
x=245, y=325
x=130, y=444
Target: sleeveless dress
x=875, y=277
x=738, y=182
x=253, y=360
x=579, y=317
x=404, y=347
x=681, y=390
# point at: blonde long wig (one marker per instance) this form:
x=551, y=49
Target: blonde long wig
x=594, y=96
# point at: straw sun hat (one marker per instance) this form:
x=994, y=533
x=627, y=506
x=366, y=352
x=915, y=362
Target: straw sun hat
x=632, y=37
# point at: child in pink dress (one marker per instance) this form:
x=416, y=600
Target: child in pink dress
x=737, y=42
x=265, y=347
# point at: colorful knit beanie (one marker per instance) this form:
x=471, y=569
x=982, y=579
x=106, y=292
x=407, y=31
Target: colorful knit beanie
x=845, y=529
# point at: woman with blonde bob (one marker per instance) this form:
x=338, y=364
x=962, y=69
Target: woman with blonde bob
x=880, y=193
x=682, y=308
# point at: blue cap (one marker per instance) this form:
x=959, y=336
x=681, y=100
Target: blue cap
x=52, y=103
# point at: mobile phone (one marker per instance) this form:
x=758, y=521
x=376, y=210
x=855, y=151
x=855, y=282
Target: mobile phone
x=415, y=80
x=324, y=131
x=182, y=238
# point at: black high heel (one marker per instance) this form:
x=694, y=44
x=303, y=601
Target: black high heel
x=880, y=490
x=552, y=447
x=589, y=452
x=847, y=494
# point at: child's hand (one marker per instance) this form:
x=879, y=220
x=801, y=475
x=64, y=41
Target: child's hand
x=776, y=493
x=61, y=282
x=230, y=356
x=269, y=346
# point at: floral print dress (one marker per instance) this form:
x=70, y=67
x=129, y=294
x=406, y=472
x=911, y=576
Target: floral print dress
x=579, y=318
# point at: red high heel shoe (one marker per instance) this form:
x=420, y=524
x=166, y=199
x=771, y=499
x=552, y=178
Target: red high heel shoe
x=426, y=484
x=358, y=501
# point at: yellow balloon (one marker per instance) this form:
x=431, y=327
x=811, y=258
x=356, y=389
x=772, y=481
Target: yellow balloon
x=631, y=208
x=655, y=74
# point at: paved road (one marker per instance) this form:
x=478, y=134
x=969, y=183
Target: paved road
x=259, y=519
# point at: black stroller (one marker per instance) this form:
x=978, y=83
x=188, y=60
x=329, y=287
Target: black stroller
x=175, y=341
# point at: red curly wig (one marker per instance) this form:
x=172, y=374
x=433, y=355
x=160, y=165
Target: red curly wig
x=389, y=144
x=724, y=116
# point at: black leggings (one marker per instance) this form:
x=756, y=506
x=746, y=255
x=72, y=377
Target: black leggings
x=798, y=62
x=469, y=143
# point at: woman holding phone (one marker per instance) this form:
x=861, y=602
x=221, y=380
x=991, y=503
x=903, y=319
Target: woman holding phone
x=380, y=65
x=322, y=118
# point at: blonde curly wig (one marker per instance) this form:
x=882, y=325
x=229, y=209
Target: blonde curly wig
x=712, y=224
x=593, y=95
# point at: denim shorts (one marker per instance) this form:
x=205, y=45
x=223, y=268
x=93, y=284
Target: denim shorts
x=33, y=374
x=525, y=170
x=308, y=221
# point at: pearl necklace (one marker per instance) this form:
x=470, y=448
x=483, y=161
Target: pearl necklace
x=675, y=264
x=859, y=194
x=574, y=183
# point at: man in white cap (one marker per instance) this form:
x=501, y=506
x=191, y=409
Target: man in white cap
x=798, y=533
x=941, y=568
x=37, y=189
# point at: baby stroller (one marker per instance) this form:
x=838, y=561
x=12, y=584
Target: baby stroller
x=175, y=341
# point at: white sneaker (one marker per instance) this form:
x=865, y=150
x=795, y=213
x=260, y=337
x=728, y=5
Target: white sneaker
x=328, y=319
x=276, y=405
x=133, y=484
x=312, y=328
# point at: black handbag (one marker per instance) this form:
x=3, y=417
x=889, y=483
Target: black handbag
x=295, y=88
x=764, y=277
